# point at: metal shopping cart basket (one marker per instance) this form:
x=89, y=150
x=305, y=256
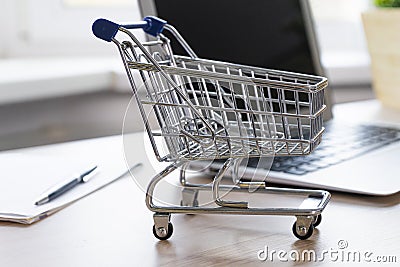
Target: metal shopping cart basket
x=209, y=110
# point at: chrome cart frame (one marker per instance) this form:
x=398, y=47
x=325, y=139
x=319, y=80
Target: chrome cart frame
x=209, y=110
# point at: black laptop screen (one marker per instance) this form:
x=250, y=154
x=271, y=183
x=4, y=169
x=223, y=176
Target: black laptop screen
x=269, y=34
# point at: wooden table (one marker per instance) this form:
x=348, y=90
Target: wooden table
x=112, y=227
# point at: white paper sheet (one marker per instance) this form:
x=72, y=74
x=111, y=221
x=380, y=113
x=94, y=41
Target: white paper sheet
x=23, y=179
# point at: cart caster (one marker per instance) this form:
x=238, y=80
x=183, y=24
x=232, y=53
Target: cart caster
x=317, y=220
x=162, y=228
x=303, y=228
x=301, y=232
x=161, y=233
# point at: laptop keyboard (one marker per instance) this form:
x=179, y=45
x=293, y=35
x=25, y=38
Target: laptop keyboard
x=338, y=144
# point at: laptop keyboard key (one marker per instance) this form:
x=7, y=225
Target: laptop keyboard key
x=338, y=145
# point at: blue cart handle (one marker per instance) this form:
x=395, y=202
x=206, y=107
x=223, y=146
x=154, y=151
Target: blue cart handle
x=106, y=30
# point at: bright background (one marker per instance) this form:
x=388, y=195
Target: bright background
x=58, y=82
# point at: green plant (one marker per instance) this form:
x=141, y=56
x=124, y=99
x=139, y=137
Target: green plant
x=387, y=3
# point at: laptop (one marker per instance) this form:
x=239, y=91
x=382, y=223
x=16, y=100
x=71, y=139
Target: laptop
x=279, y=34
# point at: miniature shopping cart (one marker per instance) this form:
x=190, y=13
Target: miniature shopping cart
x=210, y=110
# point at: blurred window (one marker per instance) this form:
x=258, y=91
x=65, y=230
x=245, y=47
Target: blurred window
x=59, y=27
x=97, y=3
x=342, y=43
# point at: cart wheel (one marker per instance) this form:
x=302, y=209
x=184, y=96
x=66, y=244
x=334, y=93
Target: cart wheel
x=159, y=235
x=299, y=233
x=318, y=220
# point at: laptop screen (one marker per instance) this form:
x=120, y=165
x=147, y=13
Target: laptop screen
x=273, y=34
x=269, y=34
